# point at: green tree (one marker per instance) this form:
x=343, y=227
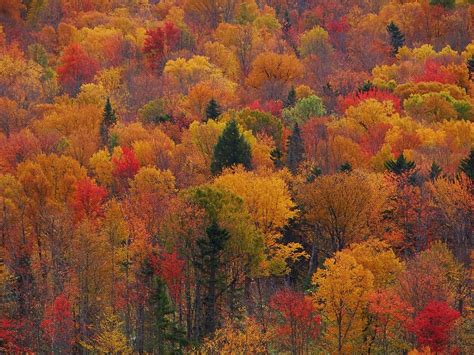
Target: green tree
x=400, y=166
x=447, y=4
x=213, y=110
x=435, y=171
x=304, y=109
x=109, y=118
x=470, y=66
x=209, y=262
x=397, y=38
x=291, y=99
x=467, y=165
x=169, y=337
x=345, y=168
x=275, y=156
x=231, y=149
x=295, y=148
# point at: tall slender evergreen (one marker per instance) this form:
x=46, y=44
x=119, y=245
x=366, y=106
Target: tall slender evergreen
x=397, y=38
x=295, y=150
x=109, y=118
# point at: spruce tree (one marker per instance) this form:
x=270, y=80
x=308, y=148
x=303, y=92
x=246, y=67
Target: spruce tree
x=400, y=166
x=435, y=171
x=231, y=149
x=314, y=173
x=295, y=150
x=213, y=110
x=470, y=66
x=467, y=165
x=397, y=38
x=275, y=156
x=209, y=263
x=447, y=4
x=345, y=168
x=108, y=120
x=168, y=336
x=291, y=99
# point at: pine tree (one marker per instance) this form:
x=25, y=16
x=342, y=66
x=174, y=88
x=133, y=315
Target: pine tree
x=397, y=38
x=470, y=66
x=345, y=168
x=275, y=156
x=209, y=263
x=435, y=171
x=108, y=120
x=447, y=4
x=231, y=149
x=467, y=165
x=295, y=150
x=400, y=165
x=213, y=110
x=291, y=99
x=314, y=173
x=169, y=337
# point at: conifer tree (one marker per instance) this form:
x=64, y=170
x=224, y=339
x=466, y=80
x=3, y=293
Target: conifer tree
x=295, y=149
x=231, y=149
x=291, y=99
x=109, y=118
x=470, y=66
x=209, y=263
x=435, y=171
x=400, y=165
x=213, y=110
x=397, y=38
x=275, y=156
x=169, y=338
x=314, y=173
x=467, y=165
x=345, y=168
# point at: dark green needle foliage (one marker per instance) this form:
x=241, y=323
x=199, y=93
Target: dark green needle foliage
x=213, y=110
x=231, y=149
x=397, y=38
x=295, y=150
x=109, y=118
x=467, y=165
x=400, y=166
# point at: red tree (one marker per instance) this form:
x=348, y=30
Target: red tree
x=76, y=69
x=125, y=166
x=433, y=71
x=274, y=106
x=296, y=319
x=170, y=268
x=88, y=199
x=380, y=95
x=433, y=324
x=11, y=336
x=58, y=325
x=159, y=42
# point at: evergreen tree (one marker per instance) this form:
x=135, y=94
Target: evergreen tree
x=231, y=149
x=366, y=86
x=291, y=99
x=295, y=147
x=209, y=263
x=213, y=110
x=467, y=165
x=400, y=165
x=108, y=120
x=275, y=156
x=314, y=173
x=168, y=336
x=447, y=4
x=470, y=66
x=345, y=168
x=397, y=38
x=435, y=171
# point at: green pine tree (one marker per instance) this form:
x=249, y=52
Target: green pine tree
x=168, y=337
x=397, y=38
x=291, y=99
x=295, y=150
x=213, y=110
x=314, y=173
x=209, y=263
x=231, y=149
x=400, y=165
x=345, y=168
x=470, y=66
x=467, y=165
x=109, y=118
x=447, y=4
x=435, y=171
x=276, y=156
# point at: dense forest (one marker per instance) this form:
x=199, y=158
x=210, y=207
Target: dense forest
x=236, y=176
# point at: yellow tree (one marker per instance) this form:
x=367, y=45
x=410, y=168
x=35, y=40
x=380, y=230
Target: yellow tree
x=342, y=288
x=273, y=72
x=344, y=207
x=269, y=203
